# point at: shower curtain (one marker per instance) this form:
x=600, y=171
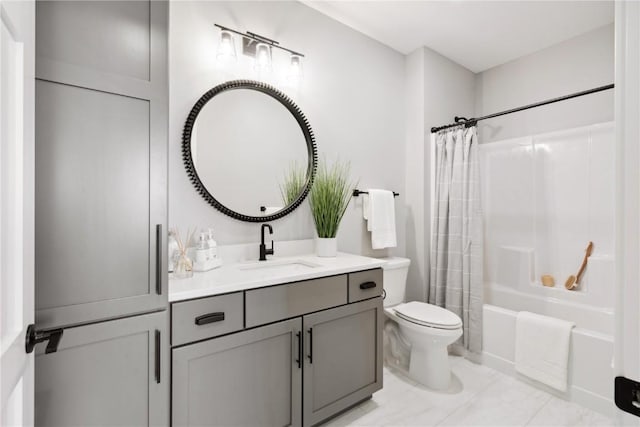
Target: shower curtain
x=456, y=253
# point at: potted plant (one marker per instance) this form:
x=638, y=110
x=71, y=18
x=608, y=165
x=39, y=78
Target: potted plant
x=329, y=197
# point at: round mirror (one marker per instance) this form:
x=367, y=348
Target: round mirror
x=249, y=151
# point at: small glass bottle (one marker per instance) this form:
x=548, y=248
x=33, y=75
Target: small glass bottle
x=171, y=250
x=183, y=268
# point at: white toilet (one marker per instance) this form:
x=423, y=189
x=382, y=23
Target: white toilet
x=428, y=329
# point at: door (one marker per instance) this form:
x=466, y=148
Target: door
x=111, y=373
x=343, y=358
x=16, y=209
x=251, y=378
x=101, y=160
x=627, y=111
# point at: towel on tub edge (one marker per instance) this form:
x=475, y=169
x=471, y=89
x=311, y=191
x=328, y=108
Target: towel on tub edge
x=542, y=348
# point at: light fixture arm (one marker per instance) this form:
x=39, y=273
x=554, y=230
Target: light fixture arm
x=260, y=39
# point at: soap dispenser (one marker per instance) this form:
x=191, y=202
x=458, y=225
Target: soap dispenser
x=202, y=253
x=206, y=253
x=212, y=245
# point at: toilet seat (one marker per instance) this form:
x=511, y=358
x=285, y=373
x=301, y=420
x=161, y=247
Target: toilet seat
x=428, y=315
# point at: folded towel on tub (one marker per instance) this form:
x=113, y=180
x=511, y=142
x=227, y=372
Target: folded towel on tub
x=542, y=348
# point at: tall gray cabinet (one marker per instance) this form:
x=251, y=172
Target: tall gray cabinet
x=101, y=212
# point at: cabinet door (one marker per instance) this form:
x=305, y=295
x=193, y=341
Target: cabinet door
x=251, y=378
x=112, y=373
x=343, y=358
x=101, y=160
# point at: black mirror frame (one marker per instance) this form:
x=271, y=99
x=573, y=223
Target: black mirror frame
x=289, y=105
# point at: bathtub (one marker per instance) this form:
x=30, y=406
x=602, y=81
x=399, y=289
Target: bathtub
x=591, y=355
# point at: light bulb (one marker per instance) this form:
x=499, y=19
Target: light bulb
x=263, y=57
x=226, y=48
x=295, y=73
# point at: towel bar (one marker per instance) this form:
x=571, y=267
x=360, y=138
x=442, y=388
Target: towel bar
x=357, y=192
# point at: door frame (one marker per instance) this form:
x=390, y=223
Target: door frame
x=627, y=112
x=18, y=17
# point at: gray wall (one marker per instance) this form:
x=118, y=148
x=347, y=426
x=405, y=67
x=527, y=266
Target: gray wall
x=414, y=173
x=577, y=64
x=352, y=94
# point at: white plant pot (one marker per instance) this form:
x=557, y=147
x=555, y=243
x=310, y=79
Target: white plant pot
x=326, y=247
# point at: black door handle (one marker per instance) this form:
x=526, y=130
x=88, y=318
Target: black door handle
x=158, y=349
x=299, y=359
x=34, y=337
x=368, y=285
x=159, y=251
x=310, y=345
x=210, y=318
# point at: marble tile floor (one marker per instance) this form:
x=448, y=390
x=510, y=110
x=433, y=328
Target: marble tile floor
x=478, y=396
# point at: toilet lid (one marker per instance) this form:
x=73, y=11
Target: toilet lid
x=429, y=315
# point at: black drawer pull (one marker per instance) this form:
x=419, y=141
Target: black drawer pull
x=367, y=285
x=210, y=318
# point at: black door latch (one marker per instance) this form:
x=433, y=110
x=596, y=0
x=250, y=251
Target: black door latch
x=627, y=395
x=34, y=337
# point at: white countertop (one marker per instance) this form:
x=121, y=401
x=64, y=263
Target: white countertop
x=242, y=275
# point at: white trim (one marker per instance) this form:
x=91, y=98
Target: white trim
x=627, y=112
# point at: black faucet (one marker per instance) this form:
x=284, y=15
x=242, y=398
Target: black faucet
x=263, y=248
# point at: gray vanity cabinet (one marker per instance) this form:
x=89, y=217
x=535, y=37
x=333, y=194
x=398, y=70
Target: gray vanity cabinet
x=305, y=353
x=111, y=373
x=343, y=358
x=250, y=378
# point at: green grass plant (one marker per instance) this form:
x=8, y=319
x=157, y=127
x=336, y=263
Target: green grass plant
x=329, y=197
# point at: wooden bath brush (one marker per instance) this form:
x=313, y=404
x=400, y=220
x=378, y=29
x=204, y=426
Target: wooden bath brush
x=573, y=281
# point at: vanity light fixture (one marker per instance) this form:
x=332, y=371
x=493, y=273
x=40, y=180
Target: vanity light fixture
x=226, y=48
x=260, y=48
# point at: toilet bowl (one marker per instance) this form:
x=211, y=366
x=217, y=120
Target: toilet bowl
x=428, y=329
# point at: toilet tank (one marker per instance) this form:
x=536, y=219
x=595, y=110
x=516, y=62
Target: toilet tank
x=394, y=276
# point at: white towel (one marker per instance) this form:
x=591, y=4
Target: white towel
x=542, y=348
x=378, y=208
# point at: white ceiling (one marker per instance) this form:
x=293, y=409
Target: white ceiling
x=476, y=34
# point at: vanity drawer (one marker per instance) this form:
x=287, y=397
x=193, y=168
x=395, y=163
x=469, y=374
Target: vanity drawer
x=365, y=284
x=205, y=318
x=266, y=305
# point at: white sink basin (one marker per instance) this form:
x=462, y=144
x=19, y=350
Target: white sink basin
x=293, y=265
